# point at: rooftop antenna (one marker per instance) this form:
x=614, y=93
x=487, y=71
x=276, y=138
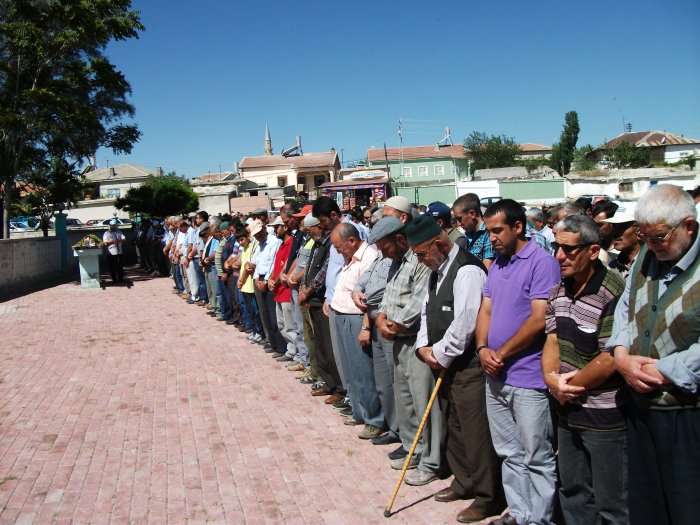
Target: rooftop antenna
x=447, y=140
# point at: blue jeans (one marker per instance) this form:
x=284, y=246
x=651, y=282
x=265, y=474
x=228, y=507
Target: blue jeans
x=252, y=307
x=521, y=429
x=225, y=305
x=593, y=474
x=177, y=275
x=245, y=313
x=202, y=281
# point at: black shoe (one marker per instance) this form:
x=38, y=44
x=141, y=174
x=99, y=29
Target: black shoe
x=341, y=405
x=399, y=453
x=346, y=411
x=386, y=439
x=230, y=322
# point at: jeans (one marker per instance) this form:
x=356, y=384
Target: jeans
x=521, y=429
x=252, y=306
x=177, y=276
x=202, y=290
x=593, y=474
x=225, y=306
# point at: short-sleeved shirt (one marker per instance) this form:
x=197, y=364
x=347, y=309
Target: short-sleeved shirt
x=117, y=248
x=512, y=284
x=283, y=294
x=248, y=285
x=480, y=243
x=583, y=325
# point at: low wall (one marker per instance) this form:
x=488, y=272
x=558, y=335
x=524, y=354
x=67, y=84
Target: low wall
x=31, y=263
x=27, y=264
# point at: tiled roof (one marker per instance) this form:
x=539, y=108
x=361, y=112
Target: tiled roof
x=416, y=152
x=650, y=139
x=307, y=160
x=528, y=147
x=120, y=171
x=214, y=177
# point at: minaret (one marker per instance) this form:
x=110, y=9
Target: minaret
x=268, y=141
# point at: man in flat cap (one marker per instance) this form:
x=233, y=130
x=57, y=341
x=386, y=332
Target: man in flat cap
x=399, y=320
x=446, y=341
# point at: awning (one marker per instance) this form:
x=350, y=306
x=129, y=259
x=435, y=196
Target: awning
x=355, y=184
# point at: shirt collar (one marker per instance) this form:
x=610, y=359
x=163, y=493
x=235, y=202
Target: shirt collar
x=527, y=250
x=593, y=284
x=447, y=262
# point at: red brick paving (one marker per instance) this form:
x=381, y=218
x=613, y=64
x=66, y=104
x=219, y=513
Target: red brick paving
x=127, y=405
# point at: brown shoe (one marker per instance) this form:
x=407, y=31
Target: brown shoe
x=447, y=495
x=184, y=295
x=335, y=398
x=470, y=515
x=320, y=392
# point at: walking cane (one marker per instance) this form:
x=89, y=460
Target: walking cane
x=387, y=511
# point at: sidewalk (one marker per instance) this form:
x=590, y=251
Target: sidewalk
x=127, y=405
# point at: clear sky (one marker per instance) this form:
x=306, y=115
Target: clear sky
x=207, y=75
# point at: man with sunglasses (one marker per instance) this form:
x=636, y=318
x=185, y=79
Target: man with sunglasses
x=656, y=344
x=581, y=378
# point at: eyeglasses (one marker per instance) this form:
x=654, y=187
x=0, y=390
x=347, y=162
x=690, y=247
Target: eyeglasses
x=568, y=249
x=422, y=254
x=655, y=239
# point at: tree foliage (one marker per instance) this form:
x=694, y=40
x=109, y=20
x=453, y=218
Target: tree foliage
x=59, y=182
x=563, y=152
x=626, y=155
x=160, y=196
x=583, y=160
x=491, y=151
x=60, y=97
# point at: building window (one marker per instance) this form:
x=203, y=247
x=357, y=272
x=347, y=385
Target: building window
x=282, y=181
x=439, y=170
x=407, y=172
x=455, y=169
x=626, y=186
x=114, y=193
x=422, y=171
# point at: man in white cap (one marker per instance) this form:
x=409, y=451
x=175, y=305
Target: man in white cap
x=624, y=239
x=113, y=239
x=398, y=207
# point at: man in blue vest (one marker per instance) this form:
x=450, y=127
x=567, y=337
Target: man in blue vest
x=446, y=341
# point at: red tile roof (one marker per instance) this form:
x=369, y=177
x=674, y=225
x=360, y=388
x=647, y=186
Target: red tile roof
x=528, y=147
x=307, y=160
x=650, y=139
x=416, y=152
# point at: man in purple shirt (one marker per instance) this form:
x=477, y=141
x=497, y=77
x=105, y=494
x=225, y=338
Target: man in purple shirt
x=509, y=337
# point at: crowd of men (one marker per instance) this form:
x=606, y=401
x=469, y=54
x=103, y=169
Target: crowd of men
x=568, y=339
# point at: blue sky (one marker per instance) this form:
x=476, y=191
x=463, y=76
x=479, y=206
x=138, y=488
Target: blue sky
x=207, y=75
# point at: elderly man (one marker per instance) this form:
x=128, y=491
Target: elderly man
x=538, y=220
x=398, y=320
x=442, y=214
x=581, y=378
x=509, y=337
x=398, y=207
x=113, y=239
x=361, y=387
x=467, y=210
x=446, y=340
x=656, y=343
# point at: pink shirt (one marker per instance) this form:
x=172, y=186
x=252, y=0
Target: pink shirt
x=349, y=275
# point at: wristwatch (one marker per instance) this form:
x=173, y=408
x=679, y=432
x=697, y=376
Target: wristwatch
x=366, y=328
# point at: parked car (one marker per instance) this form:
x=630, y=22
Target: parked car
x=17, y=226
x=94, y=222
x=74, y=222
x=119, y=221
x=487, y=201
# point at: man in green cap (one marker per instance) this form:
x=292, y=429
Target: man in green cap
x=446, y=341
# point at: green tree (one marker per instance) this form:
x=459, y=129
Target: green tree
x=59, y=182
x=494, y=151
x=626, y=155
x=60, y=97
x=563, y=151
x=160, y=197
x=582, y=159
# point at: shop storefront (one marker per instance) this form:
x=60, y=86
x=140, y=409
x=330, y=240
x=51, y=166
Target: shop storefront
x=360, y=188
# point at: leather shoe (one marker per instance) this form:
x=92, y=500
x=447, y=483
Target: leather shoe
x=333, y=399
x=470, y=515
x=385, y=439
x=320, y=392
x=446, y=495
x=506, y=519
x=399, y=453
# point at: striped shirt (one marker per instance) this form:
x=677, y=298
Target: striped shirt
x=583, y=326
x=480, y=243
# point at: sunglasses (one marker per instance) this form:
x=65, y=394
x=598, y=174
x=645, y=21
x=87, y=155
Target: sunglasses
x=568, y=249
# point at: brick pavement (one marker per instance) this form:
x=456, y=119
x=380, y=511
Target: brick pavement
x=126, y=405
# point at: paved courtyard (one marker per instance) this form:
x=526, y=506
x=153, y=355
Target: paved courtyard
x=126, y=405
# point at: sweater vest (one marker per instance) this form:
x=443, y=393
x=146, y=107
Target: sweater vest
x=661, y=326
x=439, y=309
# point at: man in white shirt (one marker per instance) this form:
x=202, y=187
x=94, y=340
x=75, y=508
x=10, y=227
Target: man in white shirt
x=113, y=239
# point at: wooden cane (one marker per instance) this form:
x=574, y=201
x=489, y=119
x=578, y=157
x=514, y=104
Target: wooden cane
x=387, y=511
